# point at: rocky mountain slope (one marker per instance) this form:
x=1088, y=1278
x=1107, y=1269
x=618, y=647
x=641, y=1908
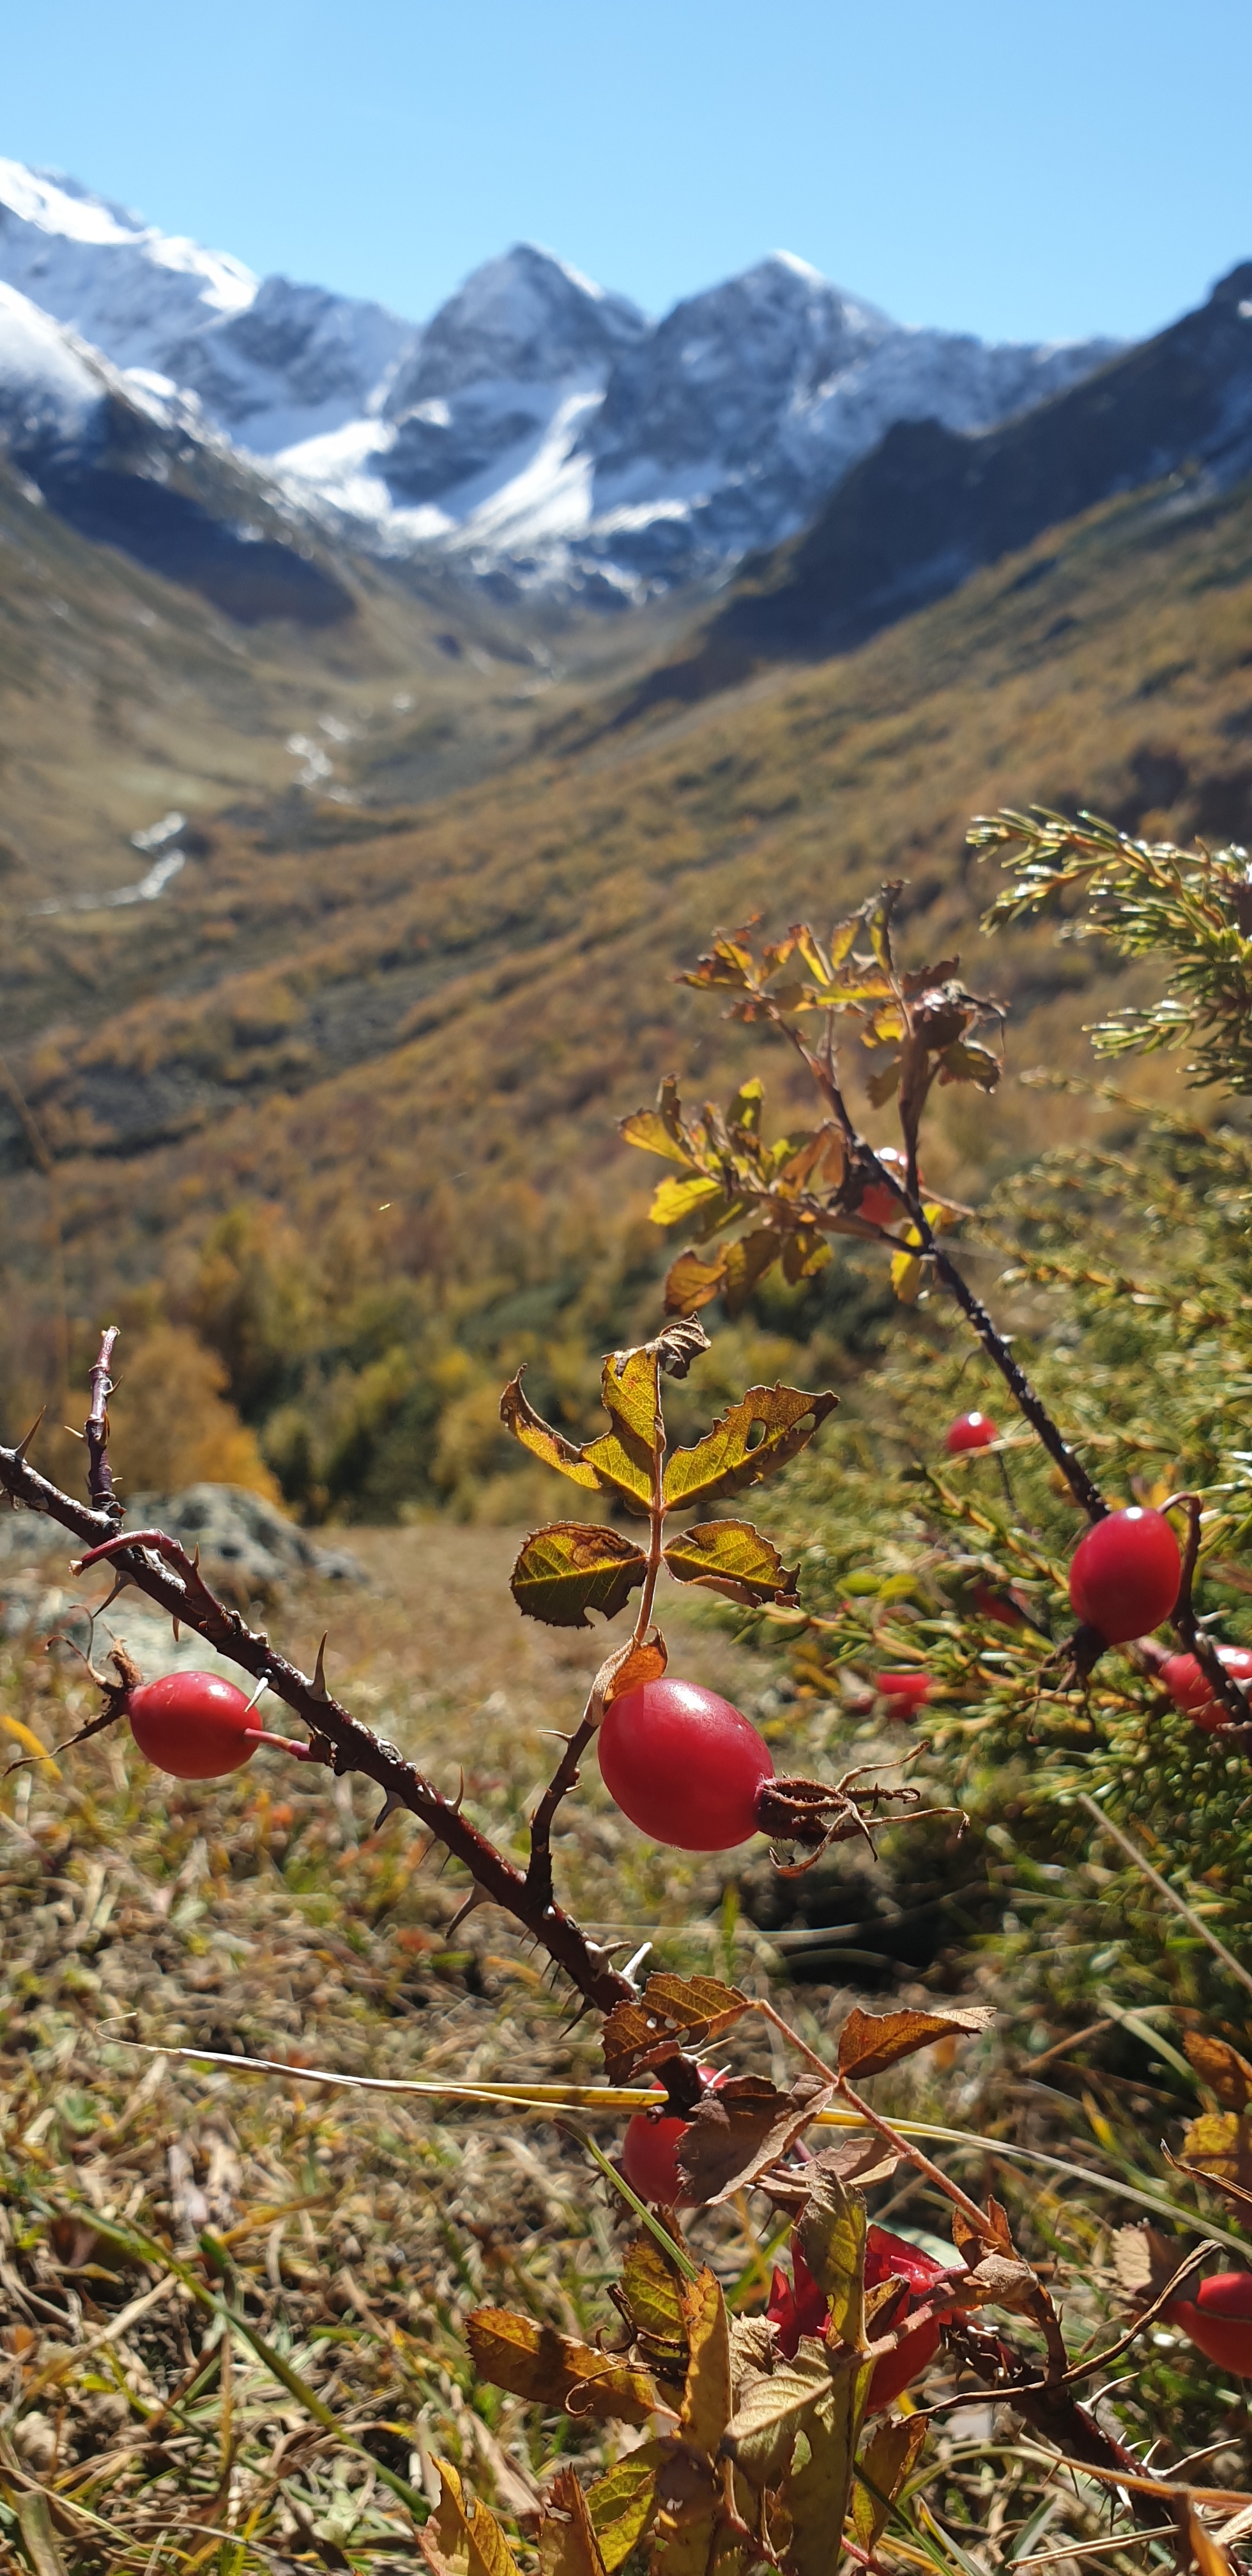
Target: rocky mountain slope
x=538, y=429
x=930, y=506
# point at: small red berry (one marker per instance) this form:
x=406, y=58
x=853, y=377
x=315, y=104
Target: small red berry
x=970, y=1431
x=999, y=1606
x=192, y=1725
x=650, y=2153
x=879, y=1205
x=1218, y=2321
x=683, y=1765
x=904, y=1693
x=1190, y=1688
x=1125, y=1574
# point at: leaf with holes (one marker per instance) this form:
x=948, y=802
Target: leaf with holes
x=772, y=2408
x=732, y=1557
x=728, y=1458
x=572, y=1567
x=621, y=2505
x=886, y=2461
x=830, y=2233
x=520, y=1417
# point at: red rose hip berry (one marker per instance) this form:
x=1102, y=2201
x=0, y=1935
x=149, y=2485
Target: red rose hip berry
x=194, y=1725
x=1190, y=1689
x=970, y=1431
x=1125, y=1574
x=1218, y=2321
x=650, y=2153
x=683, y=1765
x=904, y=1693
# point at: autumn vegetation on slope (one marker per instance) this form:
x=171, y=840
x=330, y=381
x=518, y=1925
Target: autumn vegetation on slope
x=341, y=1111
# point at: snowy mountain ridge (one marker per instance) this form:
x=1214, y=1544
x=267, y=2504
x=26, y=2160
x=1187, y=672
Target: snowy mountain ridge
x=539, y=429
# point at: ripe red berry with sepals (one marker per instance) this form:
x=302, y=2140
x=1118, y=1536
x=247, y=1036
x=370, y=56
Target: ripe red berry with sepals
x=904, y=1693
x=1124, y=1574
x=650, y=2151
x=798, y=2307
x=1218, y=2321
x=1189, y=1686
x=970, y=1431
x=194, y=1725
x=683, y=1765
x=879, y=1205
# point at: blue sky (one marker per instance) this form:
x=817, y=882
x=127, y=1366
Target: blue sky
x=1021, y=171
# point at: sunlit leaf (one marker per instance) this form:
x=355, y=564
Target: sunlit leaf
x=907, y=1274
x=1220, y=2143
x=555, y=2370
x=871, y=2042
x=670, y=2012
x=621, y=2505
x=745, y=1109
x=628, y=1392
x=706, y=2396
x=631, y=1666
x=661, y=1130
x=772, y=2407
x=674, y=1200
x=519, y=1417
x=732, y=1557
x=651, y=2291
x=572, y=1567
x=728, y=1458
x=830, y=2233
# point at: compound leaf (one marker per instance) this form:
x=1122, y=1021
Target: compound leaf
x=572, y=1567
x=732, y=1557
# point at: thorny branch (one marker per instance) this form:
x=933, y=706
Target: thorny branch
x=159, y=1567
x=99, y=1472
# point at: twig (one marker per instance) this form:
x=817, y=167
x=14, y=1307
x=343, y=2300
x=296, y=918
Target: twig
x=159, y=1567
x=96, y=1430
x=1164, y=1889
x=1225, y=1688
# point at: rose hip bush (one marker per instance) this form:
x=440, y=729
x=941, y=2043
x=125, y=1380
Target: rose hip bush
x=1042, y=1603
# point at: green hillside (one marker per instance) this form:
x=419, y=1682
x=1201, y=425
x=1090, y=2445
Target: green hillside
x=338, y=1113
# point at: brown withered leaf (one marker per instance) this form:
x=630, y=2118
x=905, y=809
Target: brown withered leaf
x=1221, y=2068
x=871, y=2042
x=622, y=2504
x=692, y=1282
x=671, y=2011
x=856, y=2162
x=888, y=2458
x=967, y=1061
x=706, y=2396
x=678, y=1344
x=1238, y=2197
x=997, y=2233
x=1220, y=2143
x=724, y=1461
x=552, y=2369
x=572, y=1567
x=732, y=1557
x=519, y=1416
x=741, y=2129
x=568, y=2543
x=467, y=2539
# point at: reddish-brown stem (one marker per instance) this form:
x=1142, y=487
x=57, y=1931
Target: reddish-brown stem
x=159, y=1567
x=564, y=1778
x=656, y=1513
x=99, y=1472
x=1224, y=1688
